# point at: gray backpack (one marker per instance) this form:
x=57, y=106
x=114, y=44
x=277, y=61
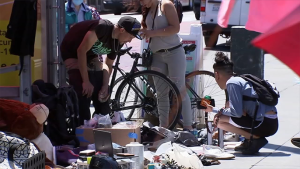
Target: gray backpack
x=15, y=150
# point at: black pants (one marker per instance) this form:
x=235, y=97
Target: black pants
x=266, y=128
x=96, y=79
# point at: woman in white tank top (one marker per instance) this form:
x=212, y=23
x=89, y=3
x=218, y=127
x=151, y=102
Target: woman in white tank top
x=168, y=53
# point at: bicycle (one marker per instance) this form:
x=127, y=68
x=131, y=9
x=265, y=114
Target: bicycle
x=144, y=91
x=195, y=94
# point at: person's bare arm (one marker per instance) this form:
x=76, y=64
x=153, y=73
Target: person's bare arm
x=106, y=75
x=88, y=41
x=109, y=63
x=170, y=12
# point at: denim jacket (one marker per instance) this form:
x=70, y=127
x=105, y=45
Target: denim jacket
x=71, y=17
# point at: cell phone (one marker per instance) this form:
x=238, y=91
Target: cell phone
x=124, y=154
x=201, y=105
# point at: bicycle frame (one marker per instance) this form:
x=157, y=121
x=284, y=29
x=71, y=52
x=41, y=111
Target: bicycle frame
x=136, y=89
x=116, y=69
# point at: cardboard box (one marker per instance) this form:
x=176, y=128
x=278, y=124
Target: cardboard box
x=119, y=136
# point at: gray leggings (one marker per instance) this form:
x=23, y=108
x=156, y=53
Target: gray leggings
x=172, y=64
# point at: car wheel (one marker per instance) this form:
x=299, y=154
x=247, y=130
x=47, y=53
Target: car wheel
x=191, y=4
x=139, y=10
x=197, y=15
x=117, y=11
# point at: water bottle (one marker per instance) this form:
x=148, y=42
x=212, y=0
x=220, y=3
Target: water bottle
x=195, y=132
x=138, y=150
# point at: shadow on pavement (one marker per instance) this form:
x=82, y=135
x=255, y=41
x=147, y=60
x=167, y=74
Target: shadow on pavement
x=283, y=148
x=263, y=154
x=220, y=47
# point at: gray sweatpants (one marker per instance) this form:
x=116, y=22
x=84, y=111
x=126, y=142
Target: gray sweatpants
x=172, y=64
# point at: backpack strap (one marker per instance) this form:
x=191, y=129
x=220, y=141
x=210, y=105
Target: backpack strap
x=10, y=156
x=253, y=120
x=248, y=98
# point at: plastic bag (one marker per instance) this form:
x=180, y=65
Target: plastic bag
x=118, y=117
x=183, y=156
x=93, y=122
x=126, y=125
x=104, y=122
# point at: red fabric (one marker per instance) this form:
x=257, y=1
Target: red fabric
x=262, y=13
x=16, y=118
x=282, y=40
x=225, y=10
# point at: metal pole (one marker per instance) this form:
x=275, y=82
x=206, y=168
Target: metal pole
x=221, y=138
x=61, y=33
x=25, y=81
x=45, y=43
x=51, y=41
x=209, y=135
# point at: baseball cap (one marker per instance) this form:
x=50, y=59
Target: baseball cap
x=40, y=111
x=131, y=25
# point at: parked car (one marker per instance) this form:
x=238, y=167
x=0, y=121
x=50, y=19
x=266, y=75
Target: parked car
x=121, y=6
x=124, y=6
x=207, y=12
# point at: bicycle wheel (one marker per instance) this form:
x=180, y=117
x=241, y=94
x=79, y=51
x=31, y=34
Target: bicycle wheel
x=115, y=87
x=153, y=98
x=207, y=85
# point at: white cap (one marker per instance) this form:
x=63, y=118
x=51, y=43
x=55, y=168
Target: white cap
x=40, y=111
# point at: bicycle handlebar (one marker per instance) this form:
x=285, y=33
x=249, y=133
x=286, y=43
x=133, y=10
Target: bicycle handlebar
x=135, y=55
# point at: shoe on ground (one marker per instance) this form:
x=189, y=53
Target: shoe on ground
x=216, y=152
x=296, y=142
x=231, y=137
x=243, y=146
x=255, y=146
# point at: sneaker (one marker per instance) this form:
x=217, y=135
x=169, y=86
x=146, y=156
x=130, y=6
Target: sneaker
x=216, y=152
x=243, y=146
x=296, y=142
x=255, y=146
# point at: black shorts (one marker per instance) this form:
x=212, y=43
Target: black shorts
x=265, y=128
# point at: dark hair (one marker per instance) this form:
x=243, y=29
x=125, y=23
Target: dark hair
x=223, y=63
x=145, y=12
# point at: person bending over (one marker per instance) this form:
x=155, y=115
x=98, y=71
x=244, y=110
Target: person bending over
x=87, y=74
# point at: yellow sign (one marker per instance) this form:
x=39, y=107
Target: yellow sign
x=6, y=59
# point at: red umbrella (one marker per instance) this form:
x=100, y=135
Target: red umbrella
x=283, y=40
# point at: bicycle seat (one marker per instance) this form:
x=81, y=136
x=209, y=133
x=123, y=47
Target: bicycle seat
x=123, y=51
x=189, y=48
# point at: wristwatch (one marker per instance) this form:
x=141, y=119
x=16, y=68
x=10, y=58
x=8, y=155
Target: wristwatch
x=221, y=111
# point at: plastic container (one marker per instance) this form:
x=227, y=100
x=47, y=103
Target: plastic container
x=207, y=97
x=195, y=132
x=136, y=149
